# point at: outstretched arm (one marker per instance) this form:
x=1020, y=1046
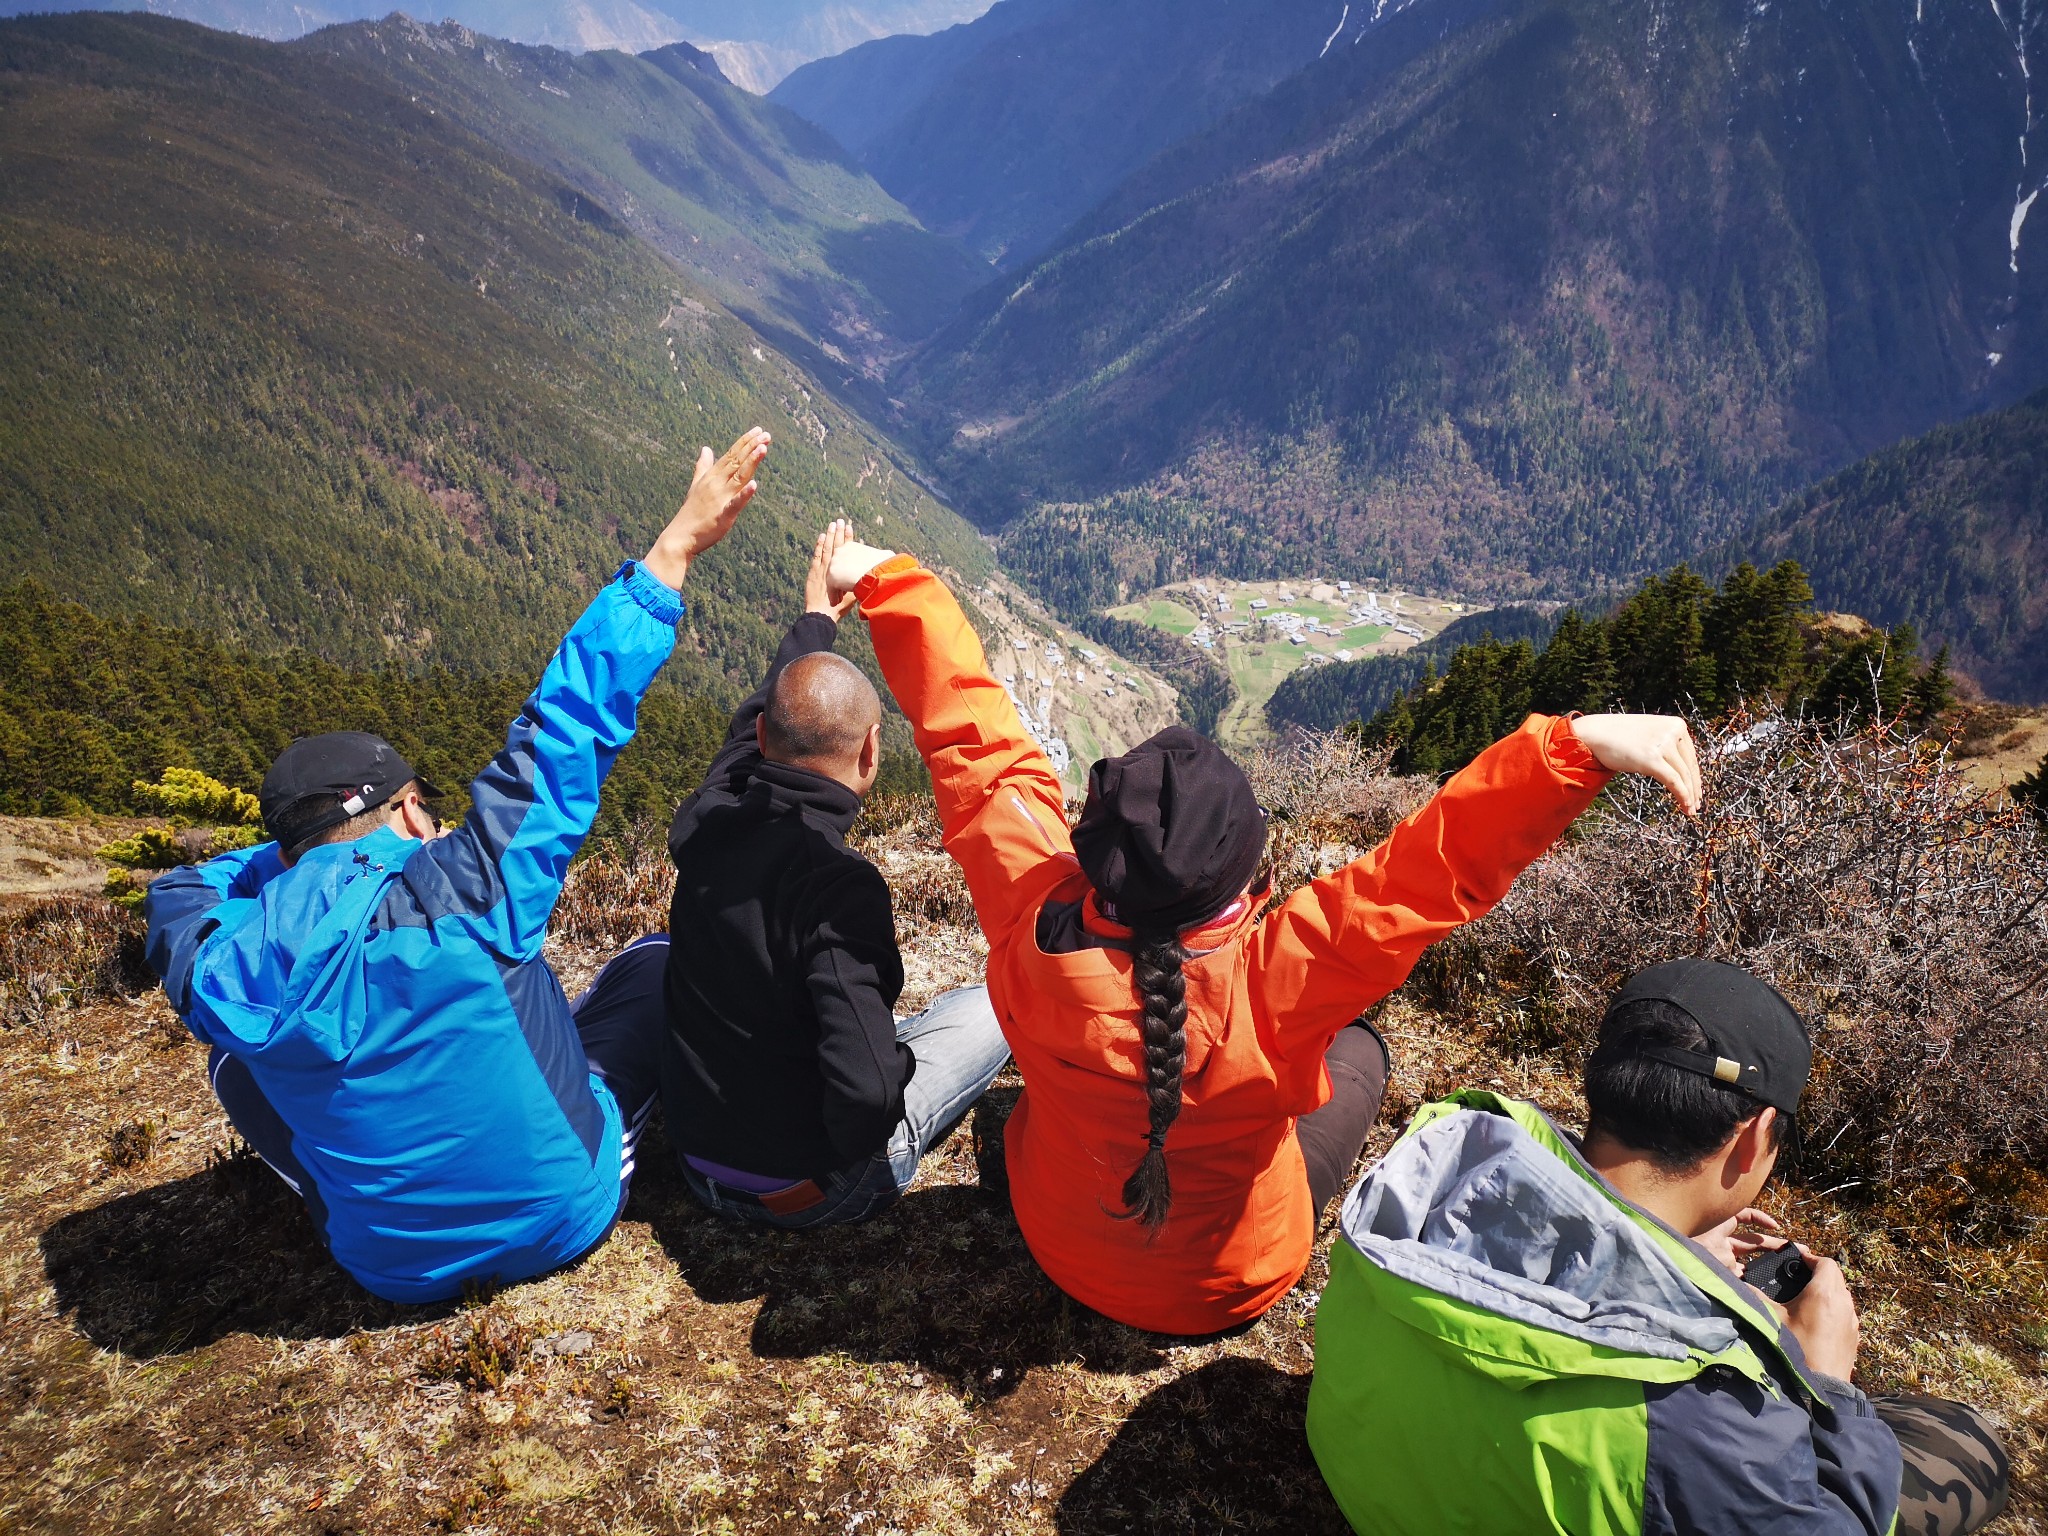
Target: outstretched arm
x=1001, y=804
x=500, y=873
x=1343, y=942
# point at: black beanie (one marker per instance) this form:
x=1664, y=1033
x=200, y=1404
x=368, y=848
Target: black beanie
x=1171, y=832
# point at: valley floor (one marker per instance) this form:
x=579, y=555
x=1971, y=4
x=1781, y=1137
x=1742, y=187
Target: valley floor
x=1263, y=631
x=176, y=1354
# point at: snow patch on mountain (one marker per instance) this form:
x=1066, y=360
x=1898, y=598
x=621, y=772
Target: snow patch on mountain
x=1336, y=31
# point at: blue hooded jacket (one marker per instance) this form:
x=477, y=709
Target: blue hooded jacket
x=390, y=1000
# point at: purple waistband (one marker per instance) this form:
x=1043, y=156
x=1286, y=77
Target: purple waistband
x=734, y=1178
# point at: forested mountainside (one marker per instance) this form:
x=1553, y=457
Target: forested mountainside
x=1519, y=297
x=290, y=358
x=757, y=41
x=762, y=207
x=1006, y=130
x=95, y=705
x=1949, y=533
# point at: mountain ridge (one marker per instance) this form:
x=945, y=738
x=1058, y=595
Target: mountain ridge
x=766, y=212
x=1524, y=298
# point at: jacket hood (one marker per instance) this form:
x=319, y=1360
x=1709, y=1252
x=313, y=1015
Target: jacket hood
x=285, y=974
x=1474, y=1207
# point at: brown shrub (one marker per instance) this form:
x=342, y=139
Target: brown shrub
x=480, y=1351
x=619, y=893
x=66, y=951
x=131, y=1144
x=1330, y=798
x=1904, y=912
x=901, y=836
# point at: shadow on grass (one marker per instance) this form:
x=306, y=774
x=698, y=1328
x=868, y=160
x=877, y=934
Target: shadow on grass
x=183, y=1264
x=941, y=1280
x=1220, y=1449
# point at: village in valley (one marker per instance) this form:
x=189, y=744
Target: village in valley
x=1263, y=630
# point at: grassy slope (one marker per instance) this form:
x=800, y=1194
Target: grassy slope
x=1568, y=294
x=288, y=357
x=762, y=209
x=178, y=1354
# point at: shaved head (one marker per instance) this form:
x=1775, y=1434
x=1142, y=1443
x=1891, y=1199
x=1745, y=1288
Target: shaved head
x=819, y=712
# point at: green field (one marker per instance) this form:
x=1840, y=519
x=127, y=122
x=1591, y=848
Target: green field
x=1159, y=613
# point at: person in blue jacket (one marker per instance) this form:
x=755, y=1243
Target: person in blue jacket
x=383, y=1029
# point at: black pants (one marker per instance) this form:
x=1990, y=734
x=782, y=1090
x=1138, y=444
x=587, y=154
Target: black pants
x=1334, y=1135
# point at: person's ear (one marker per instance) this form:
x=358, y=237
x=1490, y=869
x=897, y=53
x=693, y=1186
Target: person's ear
x=761, y=732
x=871, y=752
x=1755, y=1140
x=414, y=819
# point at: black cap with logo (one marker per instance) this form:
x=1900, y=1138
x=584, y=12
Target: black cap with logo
x=319, y=782
x=1756, y=1042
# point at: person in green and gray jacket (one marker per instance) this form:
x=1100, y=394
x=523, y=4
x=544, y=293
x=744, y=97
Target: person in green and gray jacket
x=1525, y=1333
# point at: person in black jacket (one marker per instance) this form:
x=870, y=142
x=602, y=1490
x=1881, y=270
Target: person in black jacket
x=792, y=1092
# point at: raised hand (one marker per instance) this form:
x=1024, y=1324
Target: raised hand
x=721, y=488
x=849, y=563
x=818, y=594
x=1658, y=746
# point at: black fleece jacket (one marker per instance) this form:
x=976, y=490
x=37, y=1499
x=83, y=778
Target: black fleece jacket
x=783, y=971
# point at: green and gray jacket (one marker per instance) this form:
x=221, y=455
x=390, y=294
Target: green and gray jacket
x=1506, y=1345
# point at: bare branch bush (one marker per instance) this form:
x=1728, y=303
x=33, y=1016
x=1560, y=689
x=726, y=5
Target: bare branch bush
x=1903, y=911
x=1330, y=798
x=65, y=951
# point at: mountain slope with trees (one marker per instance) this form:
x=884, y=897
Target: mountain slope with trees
x=1006, y=130
x=1521, y=298
x=761, y=208
x=1679, y=645
x=1949, y=533
x=292, y=359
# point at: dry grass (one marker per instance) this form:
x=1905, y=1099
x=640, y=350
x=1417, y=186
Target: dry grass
x=176, y=1354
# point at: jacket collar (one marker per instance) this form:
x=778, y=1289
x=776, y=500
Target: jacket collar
x=793, y=789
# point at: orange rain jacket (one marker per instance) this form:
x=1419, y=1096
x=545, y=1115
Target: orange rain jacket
x=1265, y=996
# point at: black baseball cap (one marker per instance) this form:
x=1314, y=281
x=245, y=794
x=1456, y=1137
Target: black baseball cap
x=1756, y=1042
x=319, y=782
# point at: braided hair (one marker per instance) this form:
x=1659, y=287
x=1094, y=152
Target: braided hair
x=1162, y=991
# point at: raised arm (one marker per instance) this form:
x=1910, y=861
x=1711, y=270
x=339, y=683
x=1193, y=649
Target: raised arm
x=500, y=873
x=1001, y=804
x=1343, y=942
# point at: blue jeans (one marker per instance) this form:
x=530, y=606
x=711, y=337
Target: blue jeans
x=959, y=1049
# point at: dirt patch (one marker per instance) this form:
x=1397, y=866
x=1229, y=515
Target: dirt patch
x=40, y=856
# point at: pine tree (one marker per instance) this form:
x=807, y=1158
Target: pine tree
x=1932, y=693
x=1658, y=641
x=1752, y=631
x=1575, y=671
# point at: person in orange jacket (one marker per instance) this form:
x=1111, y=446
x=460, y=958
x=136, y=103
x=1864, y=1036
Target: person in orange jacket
x=1173, y=1039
